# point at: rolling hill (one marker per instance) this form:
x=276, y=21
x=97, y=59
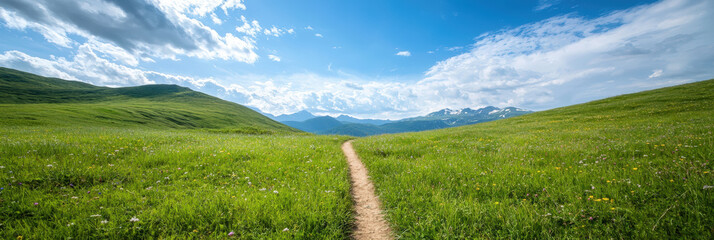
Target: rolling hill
x=630, y=166
x=28, y=99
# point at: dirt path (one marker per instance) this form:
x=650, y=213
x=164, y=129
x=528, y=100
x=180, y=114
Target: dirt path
x=369, y=220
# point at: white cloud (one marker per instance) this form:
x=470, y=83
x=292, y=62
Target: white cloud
x=162, y=30
x=253, y=28
x=544, y=4
x=656, y=73
x=215, y=19
x=274, y=58
x=566, y=60
x=87, y=66
x=404, y=53
x=309, y=28
x=200, y=8
x=318, y=35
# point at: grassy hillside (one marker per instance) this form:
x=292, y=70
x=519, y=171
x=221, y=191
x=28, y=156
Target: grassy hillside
x=632, y=166
x=31, y=100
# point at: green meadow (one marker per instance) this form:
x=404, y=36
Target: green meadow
x=165, y=162
x=632, y=166
x=159, y=161
x=112, y=183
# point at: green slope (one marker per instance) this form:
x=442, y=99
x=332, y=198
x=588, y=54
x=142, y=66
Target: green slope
x=632, y=166
x=28, y=99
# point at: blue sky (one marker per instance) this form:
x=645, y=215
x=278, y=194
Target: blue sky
x=377, y=59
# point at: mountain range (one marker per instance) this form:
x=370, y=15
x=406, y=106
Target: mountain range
x=346, y=125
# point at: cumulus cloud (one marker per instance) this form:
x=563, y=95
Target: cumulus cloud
x=88, y=66
x=161, y=29
x=404, y=53
x=318, y=35
x=568, y=59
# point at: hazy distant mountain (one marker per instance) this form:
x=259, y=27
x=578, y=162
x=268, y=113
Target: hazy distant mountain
x=297, y=117
x=348, y=119
x=315, y=125
x=444, y=118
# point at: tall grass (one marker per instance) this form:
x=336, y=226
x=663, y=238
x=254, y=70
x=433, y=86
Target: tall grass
x=633, y=166
x=111, y=183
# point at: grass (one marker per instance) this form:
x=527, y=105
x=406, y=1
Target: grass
x=31, y=100
x=632, y=166
x=161, y=161
x=90, y=182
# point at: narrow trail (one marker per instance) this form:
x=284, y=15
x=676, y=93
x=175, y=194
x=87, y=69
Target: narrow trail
x=369, y=220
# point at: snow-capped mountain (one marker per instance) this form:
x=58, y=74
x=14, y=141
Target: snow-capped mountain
x=465, y=116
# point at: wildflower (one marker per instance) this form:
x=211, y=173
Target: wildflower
x=134, y=219
x=708, y=187
x=275, y=191
x=671, y=180
x=634, y=169
x=230, y=234
x=597, y=200
x=104, y=221
x=95, y=215
x=20, y=236
x=590, y=218
x=195, y=230
x=286, y=229
x=496, y=203
x=605, y=199
x=36, y=204
x=612, y=208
